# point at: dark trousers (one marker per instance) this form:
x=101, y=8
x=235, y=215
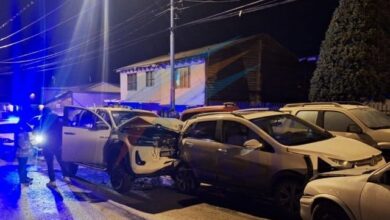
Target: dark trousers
x=22, y=169
x=49, y=155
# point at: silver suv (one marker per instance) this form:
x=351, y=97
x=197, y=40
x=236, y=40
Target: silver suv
x=264, y=151
x=350, y=120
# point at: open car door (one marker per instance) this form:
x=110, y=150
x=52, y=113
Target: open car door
x=84, y=135
x=153, y=142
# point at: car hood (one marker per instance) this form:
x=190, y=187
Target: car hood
x=380, y=135
x=171, y=124
x=338, y=148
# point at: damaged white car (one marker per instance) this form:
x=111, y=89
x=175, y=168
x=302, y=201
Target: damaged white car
x=126, y=143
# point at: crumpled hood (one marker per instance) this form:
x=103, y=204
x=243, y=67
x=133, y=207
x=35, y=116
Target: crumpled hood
x=172, y=124
x=338, y=148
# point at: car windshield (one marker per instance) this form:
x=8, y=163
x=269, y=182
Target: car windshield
x=122, y=116
x=372, y=118
x=290, y=130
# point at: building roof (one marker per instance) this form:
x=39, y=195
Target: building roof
x=198, y=53
x=100, y=87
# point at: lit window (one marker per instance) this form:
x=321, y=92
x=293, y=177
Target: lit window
x=132, y=81
x=182, y=77
x=149, y=78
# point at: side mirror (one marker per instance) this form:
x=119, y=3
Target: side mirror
x=253, y=144
x=353, y=128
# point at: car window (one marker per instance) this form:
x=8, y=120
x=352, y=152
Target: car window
x=105, y=115
x=202, y=130
x=372, y=118
x=337, y=121
x=87, y=120
x=290, y=130
x=235, y=133
x=310, y=116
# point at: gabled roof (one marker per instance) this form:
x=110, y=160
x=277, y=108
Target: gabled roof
x=190, y=54
x=100, y=87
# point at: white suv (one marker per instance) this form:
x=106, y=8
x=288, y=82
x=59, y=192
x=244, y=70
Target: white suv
x=350, y=120
x=264, y=151
x=125, y=142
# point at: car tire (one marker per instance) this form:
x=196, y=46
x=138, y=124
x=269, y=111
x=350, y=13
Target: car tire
x=185, y=180
x=328, y=210
x=71, y=169
x=287, y=194
x=121, y=180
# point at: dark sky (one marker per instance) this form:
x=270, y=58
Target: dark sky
x=61, y=41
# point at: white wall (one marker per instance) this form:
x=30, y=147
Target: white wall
x=160, y=92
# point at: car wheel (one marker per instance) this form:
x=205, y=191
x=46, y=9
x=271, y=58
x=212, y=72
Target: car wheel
x=72, y=169
x=185, y=180
x=286, y=196
x=328, y=210
x=121, y=180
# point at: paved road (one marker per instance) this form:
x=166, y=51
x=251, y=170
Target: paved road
x=39, y=202
x=156, y=198
x=89, y=196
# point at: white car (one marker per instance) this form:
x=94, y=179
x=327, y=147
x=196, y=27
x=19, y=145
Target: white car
x=359, y=193
x=126, y=143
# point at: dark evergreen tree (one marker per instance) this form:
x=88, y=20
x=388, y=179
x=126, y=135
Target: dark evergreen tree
x=354, y=59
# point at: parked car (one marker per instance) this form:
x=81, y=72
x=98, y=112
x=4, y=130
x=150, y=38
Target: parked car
x=359, y=194
x=7, y=133
x=263, y=151
x=126, y=143
x=352, y=120
x=226, y=107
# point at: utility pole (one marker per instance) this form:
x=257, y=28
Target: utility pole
x=172, y=58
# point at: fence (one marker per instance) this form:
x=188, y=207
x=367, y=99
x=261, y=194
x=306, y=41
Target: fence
x=381, y=106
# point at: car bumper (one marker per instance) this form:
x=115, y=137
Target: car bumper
x=306, y=203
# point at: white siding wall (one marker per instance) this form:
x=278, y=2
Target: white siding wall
x=160, y=92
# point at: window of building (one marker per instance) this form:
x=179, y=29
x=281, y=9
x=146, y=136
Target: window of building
x=182, y=77
x=132, y=81
x=150, y=78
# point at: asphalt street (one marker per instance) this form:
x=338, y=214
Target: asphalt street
x=89, y=196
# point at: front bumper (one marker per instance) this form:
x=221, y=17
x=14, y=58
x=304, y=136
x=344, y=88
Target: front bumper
x=306, y=203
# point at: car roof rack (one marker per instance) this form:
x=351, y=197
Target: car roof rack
x=337, y=104
x=251, y=110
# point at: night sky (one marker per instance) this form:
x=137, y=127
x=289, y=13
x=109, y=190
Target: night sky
x=61, y=42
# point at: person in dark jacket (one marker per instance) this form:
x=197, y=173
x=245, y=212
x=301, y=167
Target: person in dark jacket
x=23, y=146
x=51, y=128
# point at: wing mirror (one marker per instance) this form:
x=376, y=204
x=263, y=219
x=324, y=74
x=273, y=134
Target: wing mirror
x=253, y=144
x=353, y=128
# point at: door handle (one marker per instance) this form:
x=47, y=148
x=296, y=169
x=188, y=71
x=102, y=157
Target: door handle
x=69, y=133
x=222, y=150
x=103, y=137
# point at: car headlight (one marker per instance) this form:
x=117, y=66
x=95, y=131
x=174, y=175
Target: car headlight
x=342, y=163
x=39, y=139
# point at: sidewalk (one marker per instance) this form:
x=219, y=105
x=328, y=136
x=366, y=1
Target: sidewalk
x=39, y=202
